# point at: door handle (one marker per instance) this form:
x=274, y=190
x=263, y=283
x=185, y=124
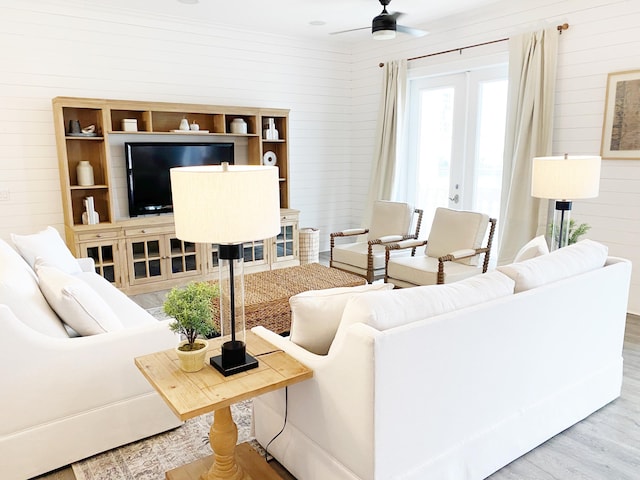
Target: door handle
x=455, y=199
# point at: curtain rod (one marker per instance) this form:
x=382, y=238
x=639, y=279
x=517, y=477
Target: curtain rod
x=560, y=28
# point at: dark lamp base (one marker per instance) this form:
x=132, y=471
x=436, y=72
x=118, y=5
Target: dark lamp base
x=234, y=359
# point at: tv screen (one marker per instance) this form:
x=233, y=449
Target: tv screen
x=148, y=164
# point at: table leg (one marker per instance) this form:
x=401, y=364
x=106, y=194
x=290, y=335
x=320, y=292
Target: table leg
x=223, y=438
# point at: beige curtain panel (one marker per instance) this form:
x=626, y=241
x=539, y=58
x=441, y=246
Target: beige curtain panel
x=389, y=119
x=532, y=78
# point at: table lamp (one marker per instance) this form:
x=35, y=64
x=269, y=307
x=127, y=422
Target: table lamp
x=564, y=179
x=227, y=205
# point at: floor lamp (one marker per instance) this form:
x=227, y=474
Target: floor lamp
x=564, y=179
x=227, y=205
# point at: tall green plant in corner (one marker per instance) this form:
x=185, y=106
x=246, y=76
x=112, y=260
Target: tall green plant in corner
x=193, y=309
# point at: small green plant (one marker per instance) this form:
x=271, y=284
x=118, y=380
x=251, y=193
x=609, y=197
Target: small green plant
x=193, y=309
x=575, y=231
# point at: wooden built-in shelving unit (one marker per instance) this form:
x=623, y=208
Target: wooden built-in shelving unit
x=142, y=254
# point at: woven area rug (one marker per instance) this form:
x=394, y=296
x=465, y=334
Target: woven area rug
x=150, y=458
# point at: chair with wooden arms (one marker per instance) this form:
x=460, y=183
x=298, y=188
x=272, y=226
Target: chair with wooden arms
x=452, y=251
x=391, y=222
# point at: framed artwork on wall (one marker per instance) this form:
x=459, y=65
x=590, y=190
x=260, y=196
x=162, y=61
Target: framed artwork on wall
x=621, y=127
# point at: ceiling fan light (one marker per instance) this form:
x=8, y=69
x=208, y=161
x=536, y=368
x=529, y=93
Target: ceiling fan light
x=383, y=27
x=384, y=34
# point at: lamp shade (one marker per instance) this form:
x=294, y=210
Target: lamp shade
x=567, y=177
x=225, y=204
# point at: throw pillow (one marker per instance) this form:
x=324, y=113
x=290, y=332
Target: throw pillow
x=315, y=314
x=19, y=291
x=48, y=245
x=565, y=262
x=533, y=248
x=75, y=302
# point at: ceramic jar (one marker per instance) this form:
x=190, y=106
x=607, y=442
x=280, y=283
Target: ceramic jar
x=238, y=125
x=84, y=171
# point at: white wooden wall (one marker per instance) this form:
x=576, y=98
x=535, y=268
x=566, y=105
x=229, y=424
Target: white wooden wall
x=603, y=37
x=48, y=49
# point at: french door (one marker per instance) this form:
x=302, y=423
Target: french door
x=456, y=141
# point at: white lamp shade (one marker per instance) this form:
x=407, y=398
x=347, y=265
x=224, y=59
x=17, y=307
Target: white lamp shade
x=225, y=205
x=567, y=178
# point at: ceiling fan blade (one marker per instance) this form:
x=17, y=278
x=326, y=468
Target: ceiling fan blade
x=350, y=30
x=397, y=15
x=415, y=32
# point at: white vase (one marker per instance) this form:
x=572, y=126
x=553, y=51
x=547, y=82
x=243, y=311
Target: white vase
x=84, y=171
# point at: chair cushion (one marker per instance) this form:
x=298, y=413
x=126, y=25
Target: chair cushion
x=48, y=245
x=456, y=230
x=315, y=314
x=533, y=248
x=356, y=254
x=423, y=270
x=75, y=302
x=19, y=291
x=390, y=218
x=565, y=262
x=385, y=310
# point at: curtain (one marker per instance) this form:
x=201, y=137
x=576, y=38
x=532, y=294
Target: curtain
x=392, y=105
x=532, y=77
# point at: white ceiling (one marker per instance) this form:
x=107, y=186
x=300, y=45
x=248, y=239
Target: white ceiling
x=293, y=17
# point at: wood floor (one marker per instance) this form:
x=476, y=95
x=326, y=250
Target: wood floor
x=604, y=446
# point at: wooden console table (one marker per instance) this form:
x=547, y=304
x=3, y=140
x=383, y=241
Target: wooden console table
x=193, y=394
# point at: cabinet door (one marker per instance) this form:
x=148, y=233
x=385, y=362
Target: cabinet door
x=161, y=257
x=183, y=258
x=105, y=256
x=254, y=255
x=145, y=257
x=285, y=245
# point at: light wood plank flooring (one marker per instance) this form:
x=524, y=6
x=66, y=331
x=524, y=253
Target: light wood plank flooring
x=604, y=446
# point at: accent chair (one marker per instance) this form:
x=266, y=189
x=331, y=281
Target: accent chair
x=452, y=251
x=391, y=222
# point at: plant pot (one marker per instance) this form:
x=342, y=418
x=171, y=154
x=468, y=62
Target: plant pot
x=192, y=361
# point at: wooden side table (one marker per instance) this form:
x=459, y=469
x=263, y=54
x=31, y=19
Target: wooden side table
x=193, y=394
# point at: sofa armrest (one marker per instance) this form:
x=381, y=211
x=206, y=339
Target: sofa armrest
x=305, y=357
x=334, y=408
x=87, y=264
x=60, y=377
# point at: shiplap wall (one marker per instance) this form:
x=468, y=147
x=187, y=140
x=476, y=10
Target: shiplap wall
x=60, y=48
x=52, y=48
x=603, y=37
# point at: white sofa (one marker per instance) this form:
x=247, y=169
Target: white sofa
x=64, y=399
x=454, y=381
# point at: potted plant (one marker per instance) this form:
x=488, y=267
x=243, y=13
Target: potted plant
x=575, y=231
x=193, y=309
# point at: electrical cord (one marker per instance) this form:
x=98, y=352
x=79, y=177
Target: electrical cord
x=286, y=411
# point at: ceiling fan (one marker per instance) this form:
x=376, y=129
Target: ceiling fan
x=384, y=26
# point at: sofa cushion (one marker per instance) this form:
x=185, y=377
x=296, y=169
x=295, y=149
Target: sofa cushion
x=48, y=245
x=19, y=291
x=565, y=262
x=315, y=314
x=75, y=302
x=384, y=310
x=533, y=248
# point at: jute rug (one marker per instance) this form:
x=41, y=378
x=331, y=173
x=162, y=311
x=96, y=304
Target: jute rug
x=150, y=458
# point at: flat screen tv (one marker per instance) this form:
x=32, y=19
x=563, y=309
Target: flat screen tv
x=148, y=164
